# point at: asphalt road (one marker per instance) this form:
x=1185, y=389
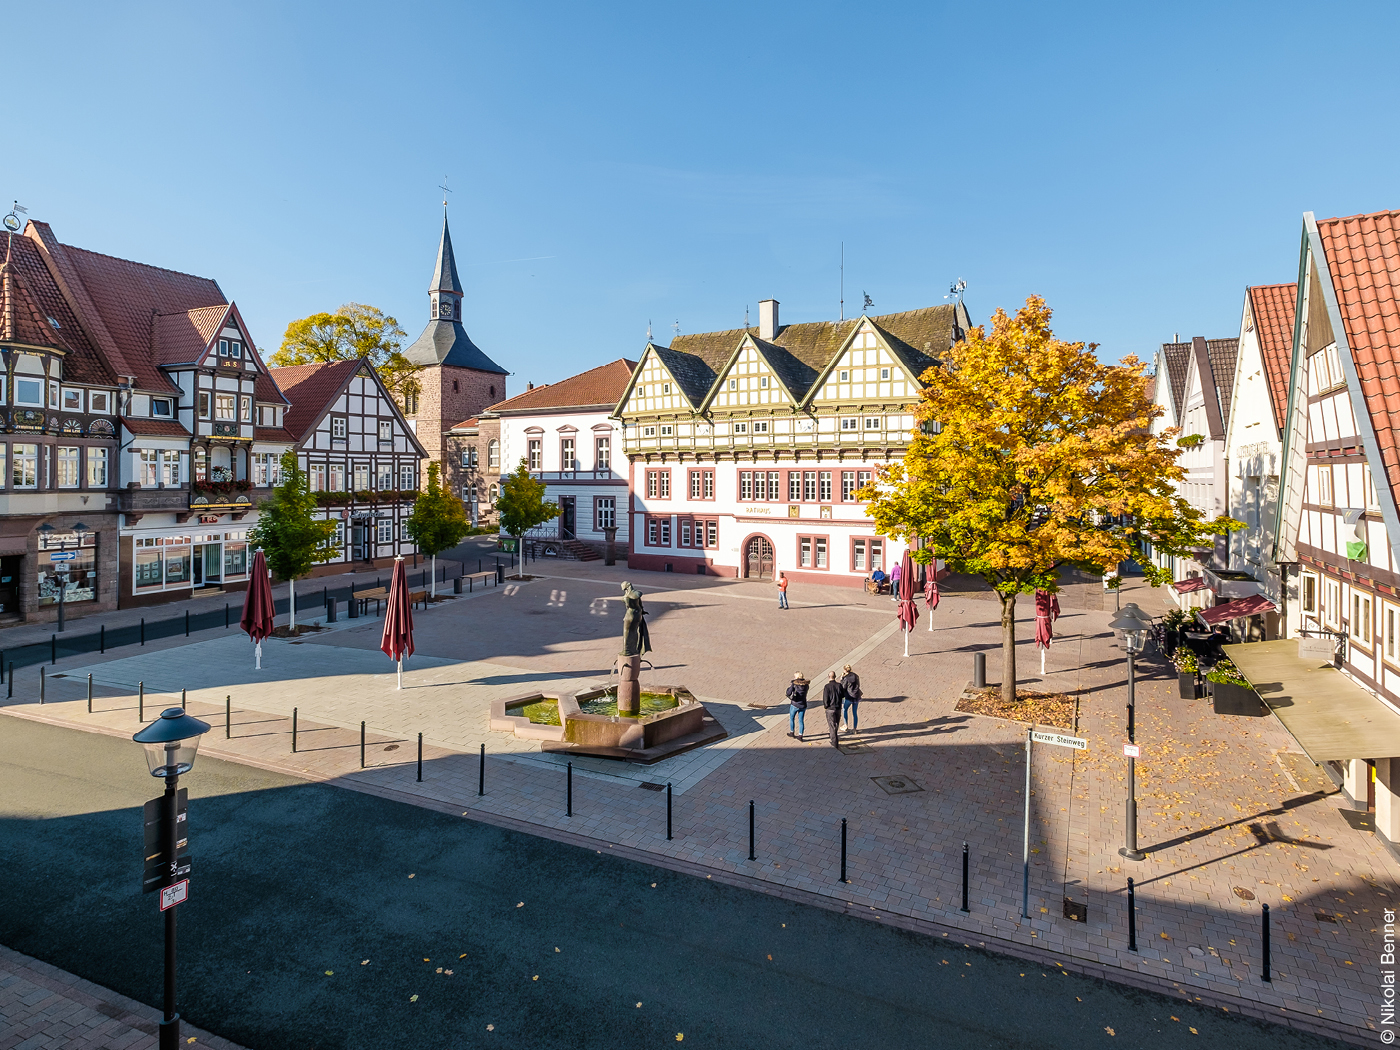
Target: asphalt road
x=324, y=918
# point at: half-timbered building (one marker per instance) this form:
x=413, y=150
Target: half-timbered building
x=747, y=448
x=360, y=456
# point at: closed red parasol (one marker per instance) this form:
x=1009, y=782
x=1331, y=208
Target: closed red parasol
x=258, y=612
x=931, y=592
x=908, y=611
x=1047, y=611
x=398, y=618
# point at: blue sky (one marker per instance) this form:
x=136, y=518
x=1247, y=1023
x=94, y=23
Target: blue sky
x=1138, y=165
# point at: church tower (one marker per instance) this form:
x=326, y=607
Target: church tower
x=456, y=380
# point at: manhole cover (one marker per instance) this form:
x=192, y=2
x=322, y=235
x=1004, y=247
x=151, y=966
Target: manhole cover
x=897, y=785
x=1076, y=910
x=1243, y=894
x=392, y=747
x=647, y=785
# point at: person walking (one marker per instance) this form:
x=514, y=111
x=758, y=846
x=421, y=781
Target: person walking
x=832, y=695
x=850, y=683
x=894, y=582
x=782, y=582
x=797, y=705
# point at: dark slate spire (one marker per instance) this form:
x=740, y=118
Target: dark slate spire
x=445, y=277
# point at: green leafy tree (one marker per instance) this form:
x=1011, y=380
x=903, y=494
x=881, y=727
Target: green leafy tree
x=289, y=530
x=1042, y=458
x=522, y=505
x=355, y=331
x=438, y=521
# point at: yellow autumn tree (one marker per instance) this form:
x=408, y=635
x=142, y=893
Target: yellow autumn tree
x=1035, y=456
x=353, y=331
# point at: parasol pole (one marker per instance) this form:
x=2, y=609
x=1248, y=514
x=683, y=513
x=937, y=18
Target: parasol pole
x=906, y=643
x=400, y=672
x=258, y=650
x=1042, y=661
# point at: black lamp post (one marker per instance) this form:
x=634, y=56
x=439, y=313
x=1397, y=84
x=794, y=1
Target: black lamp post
x=1133, y=623
x=170, y=742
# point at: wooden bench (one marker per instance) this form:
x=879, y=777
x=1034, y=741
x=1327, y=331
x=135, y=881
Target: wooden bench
x=472, y=577
x=373, y=594
x=415, y=597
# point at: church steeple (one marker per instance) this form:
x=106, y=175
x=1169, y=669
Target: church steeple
x=445, y=290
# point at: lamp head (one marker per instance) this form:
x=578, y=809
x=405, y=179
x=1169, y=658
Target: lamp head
x=1134, y=631
x=171, y=742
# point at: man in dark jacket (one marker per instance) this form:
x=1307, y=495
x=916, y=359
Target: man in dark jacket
x=832, y=695
x=797, y=705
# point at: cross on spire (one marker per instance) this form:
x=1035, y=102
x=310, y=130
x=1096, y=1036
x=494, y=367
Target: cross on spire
x=445, y=191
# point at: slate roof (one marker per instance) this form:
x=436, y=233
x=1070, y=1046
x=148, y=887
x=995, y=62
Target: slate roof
x=1178, y=360
x=800, y=353
x=445, y=277
x=310, y=388
x=603, y=385
x=1273, y=306
x=1363, y=255
x=143, y=427
x=29, y=296
x=1223, y=353
x=447, y=343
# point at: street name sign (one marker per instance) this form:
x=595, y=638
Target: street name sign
x=1132, y=750
x=176, y=894
x=1060, y=740
x=62, y=555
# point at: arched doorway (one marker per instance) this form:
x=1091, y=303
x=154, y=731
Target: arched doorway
x=758, y=558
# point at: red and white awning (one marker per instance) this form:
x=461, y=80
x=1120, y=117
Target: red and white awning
x=1251, y=606
x=1191, y=583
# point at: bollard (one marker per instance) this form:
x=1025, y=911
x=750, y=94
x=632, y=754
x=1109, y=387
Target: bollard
x=2, y=666
x=362, y=745
x=330, y=610
x=457, y=585
x=294, y=730
x=420, y=758
x=668, y=811
x=182, y=700
x=1267, y=976
x=843, y=849
x=11, y=682
x=1132, y=918
x=228, y=715
x=964, y=900
x=354, y=607
x=102, y=639
x=143, y=630
x=42, y=680
x=53, y=648
x=481, y=774
x=89, y=694
x=187, y=623
x=751, y=856
x=225, y=616
x=325, y=594
x=569, y=812
x=979, y=670
x=140, y=701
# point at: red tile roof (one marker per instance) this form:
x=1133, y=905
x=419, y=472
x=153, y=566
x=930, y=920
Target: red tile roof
x=154, y=427
x=31, y=301
x=182, y=338
x=272, y=434
x=1273, y=306
x=467, y=423
x=310, y=388
x=603, y=385
x=1363, y=254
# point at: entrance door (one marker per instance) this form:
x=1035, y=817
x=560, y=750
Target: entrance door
x=9, y=584
x=567, y=515
x=199, y=565
x=759, y=559
x=213, y=563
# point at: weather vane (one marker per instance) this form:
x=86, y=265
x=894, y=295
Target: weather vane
x=869, y=302
x=955, y=291
x=12, y=220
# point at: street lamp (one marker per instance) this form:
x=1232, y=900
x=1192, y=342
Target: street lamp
x=170, y=742
x=1133, y=623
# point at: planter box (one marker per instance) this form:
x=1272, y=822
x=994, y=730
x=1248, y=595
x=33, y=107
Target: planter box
x=1236, y=700
x=1186, y=684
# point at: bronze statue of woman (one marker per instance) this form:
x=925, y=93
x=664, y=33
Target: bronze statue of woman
x=636, y=640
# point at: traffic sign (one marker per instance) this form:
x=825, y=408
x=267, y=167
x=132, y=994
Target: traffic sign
x=1060, y=740
x=176, y=894
x=1132, y=750
x=62, y=555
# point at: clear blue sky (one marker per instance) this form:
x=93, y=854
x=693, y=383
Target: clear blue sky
x=611, y=163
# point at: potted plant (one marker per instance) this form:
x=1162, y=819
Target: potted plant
x=1185, y=661
x=1174, y=621
x=1232, y=693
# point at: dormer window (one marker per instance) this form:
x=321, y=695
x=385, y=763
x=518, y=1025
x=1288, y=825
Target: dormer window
x=161, y=406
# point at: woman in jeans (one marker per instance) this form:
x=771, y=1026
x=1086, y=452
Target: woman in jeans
x=850, y=681
x=797, y=705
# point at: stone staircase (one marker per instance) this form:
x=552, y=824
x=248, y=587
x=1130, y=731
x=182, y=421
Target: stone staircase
x=580, y=551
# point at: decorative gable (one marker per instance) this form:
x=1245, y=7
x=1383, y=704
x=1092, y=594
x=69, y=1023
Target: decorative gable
x=655, y=390
x=749, y=382
x=867, y=370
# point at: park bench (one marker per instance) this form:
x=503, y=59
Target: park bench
x=417, y=597
x=472, y=577
x=373, y=594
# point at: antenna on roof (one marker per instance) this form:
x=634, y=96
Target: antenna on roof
x=676, y=329
x=843, y=280
x=648, y=329
x=956, y=289
x=746, y=317
x=445, y=192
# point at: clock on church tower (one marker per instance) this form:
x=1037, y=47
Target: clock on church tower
x=445, y=308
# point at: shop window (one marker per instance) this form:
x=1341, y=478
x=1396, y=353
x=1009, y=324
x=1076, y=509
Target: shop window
x=80, y=584
x=235, y=559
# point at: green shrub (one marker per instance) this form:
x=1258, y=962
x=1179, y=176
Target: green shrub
x=1226, y=673
x=1185, y=660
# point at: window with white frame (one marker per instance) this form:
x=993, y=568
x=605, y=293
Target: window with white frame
x=99, y=401
x=566, y=454
x=246, y=413
x=317, y=475
x=872, y=422
x=604, y=513
x=97, y=468
x=1308, y=593
x=1332, y=603
x=386, y=430
x=72, y=400
x=66, y=467
x=361, y=478
x=741, y=428
x=224, y=406
x=203, y=404
x=148, y=467
x=170, y=469
x=28, y=391
x=162, y=407
x=667, y=430
x=1390, y=624
x=407, y=483
x=536, y=449
x=1360, y=625
x=339, y=427
x=386, y=476
x=493, y=455
x=849, y=423
x=760, y=426
x=25, y=473
x=602, y=453
x=385, y=531
x=1324, y=485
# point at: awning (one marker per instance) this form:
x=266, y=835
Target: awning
x=1251, y=606
x=1329, y=715
x=1191, y=583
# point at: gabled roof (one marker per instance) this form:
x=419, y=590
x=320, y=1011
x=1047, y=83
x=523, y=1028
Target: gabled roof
x=1177, y=359
x=1363, y=256
x=1222, y=354
x=800, y=353
x=601, y=386
x=30, y=304
x=1272, y=307
x=181, y=338
x=312, y=388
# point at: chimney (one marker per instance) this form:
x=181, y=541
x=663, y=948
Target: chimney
x=529, y=386
x=768, y=319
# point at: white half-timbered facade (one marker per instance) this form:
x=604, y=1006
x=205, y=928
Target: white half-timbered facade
x=360, y=456
x=747, y=447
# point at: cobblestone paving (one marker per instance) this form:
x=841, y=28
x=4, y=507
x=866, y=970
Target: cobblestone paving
x=1231, y=815
x=44, y=1008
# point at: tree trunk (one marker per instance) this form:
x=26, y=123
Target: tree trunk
x=292, y=593
x=1008, y=647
